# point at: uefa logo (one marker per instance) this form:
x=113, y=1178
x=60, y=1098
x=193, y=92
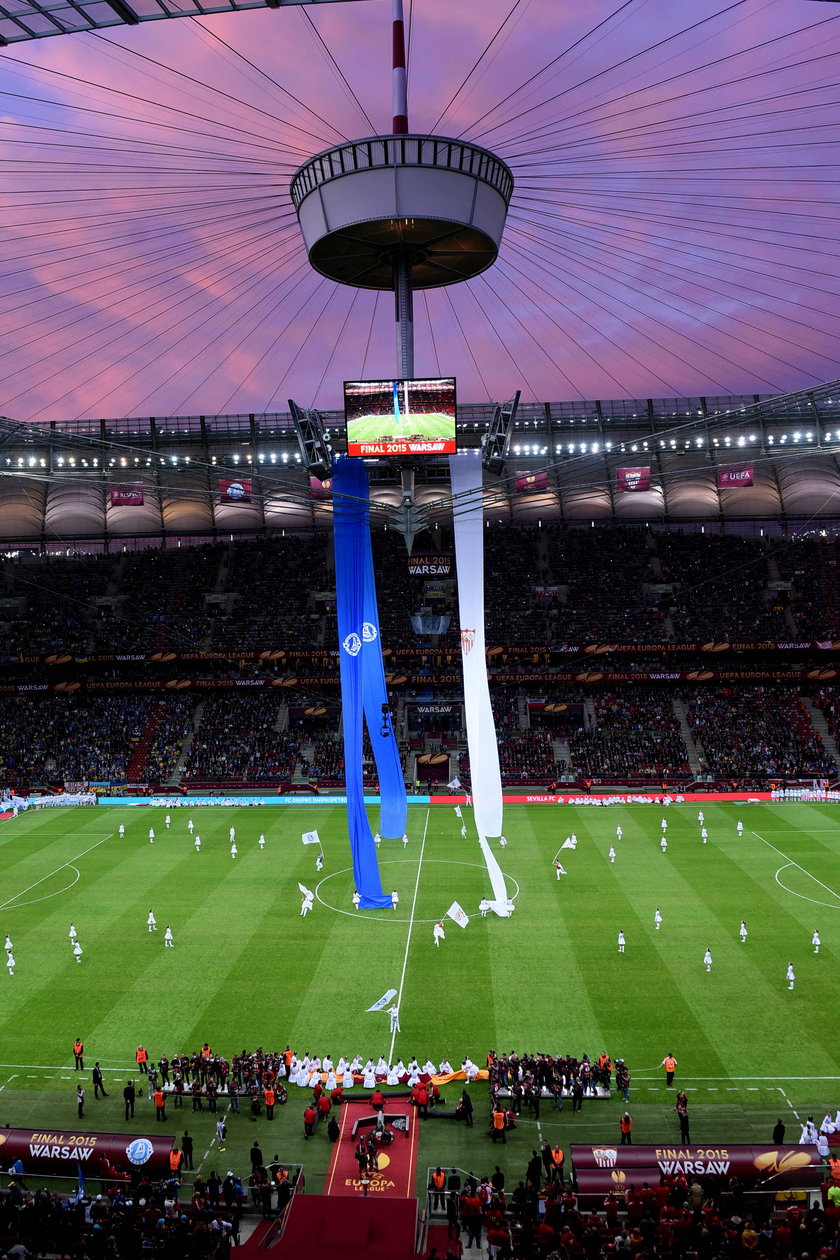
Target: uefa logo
x=352, y=644
x=139, y=1151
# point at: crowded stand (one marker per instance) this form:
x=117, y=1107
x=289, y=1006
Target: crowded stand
x=636, y=735
x=608, y=577
x=540, y=1216
x=237, y=741
x=811, y=566
x=326, y=762
x=173, y=619
x=49, y=739
x=778, y=741
x=147, y=1219
x=527, y=758
x=602, y=585
x=173, y=720
x=159, y=601
x=270, y=594
x=513, y=569
x=721, y=588
x=400, y=594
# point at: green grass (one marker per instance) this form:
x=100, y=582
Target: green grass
x=383, y=428
x=247, y=969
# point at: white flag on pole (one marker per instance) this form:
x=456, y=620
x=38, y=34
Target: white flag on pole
x=454, y=784
x=311, y=837
x=307, y=892
x=458, y=811
x=568, y=843
x=383, y=1001
x=458, y=915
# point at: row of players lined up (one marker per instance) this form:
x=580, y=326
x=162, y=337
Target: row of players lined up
x=306, y=1072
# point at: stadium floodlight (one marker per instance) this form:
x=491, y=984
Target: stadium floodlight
x=495, y=442
x=315, y=450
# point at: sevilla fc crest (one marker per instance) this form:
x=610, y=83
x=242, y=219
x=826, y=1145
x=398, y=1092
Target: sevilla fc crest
x=467, y=641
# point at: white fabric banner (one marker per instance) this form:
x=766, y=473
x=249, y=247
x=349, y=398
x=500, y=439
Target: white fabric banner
x=383, y=1001
x=311, y=837
x=458, y=914
x=466, y=477
x=458, y=813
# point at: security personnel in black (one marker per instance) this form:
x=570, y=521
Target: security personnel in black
x=129, y=1094
x=98, y=1084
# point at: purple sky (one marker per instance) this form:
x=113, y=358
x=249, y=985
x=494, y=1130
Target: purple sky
x=673, y=229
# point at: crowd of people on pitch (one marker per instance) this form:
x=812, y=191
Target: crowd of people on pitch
x=206, y=1075
x=539, y=1217
x=526, y=1079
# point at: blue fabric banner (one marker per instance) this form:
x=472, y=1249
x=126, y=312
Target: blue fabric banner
x=351, y=534
x=386, y=754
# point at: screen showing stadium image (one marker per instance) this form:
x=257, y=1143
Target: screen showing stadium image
x=415, y=417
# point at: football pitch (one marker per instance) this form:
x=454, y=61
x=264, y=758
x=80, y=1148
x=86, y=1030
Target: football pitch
x=246, y=969
x=385, y=428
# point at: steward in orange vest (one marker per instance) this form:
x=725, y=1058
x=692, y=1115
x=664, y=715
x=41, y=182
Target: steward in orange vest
x=78, y=1054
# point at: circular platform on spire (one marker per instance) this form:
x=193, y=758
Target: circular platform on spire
x=439, y=203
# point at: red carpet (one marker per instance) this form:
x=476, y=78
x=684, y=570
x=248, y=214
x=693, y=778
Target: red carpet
x=252, y=1250
x=397, y=1162
x=321, y=1228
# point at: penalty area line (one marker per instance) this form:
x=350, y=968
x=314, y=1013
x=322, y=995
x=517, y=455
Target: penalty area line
x=410, y=928
x=790, y=862
x=63, y=866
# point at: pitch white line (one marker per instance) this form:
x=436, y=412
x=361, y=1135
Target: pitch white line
x=69, y=862
x=790, y=862
x=779, y=1076
x=814, y=901
x=34, y=901
x=113, y=1064
x=789, y=1103
x=410, y=930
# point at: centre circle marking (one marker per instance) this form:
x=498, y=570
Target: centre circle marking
x=389, y=916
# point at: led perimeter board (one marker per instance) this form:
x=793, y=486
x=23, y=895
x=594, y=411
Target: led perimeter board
x=415, y=417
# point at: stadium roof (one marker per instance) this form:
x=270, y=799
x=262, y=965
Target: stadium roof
x=36, y=19
x=56, y=480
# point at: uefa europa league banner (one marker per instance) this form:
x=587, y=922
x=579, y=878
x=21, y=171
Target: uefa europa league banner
x=468, y=513
x=351, y=533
